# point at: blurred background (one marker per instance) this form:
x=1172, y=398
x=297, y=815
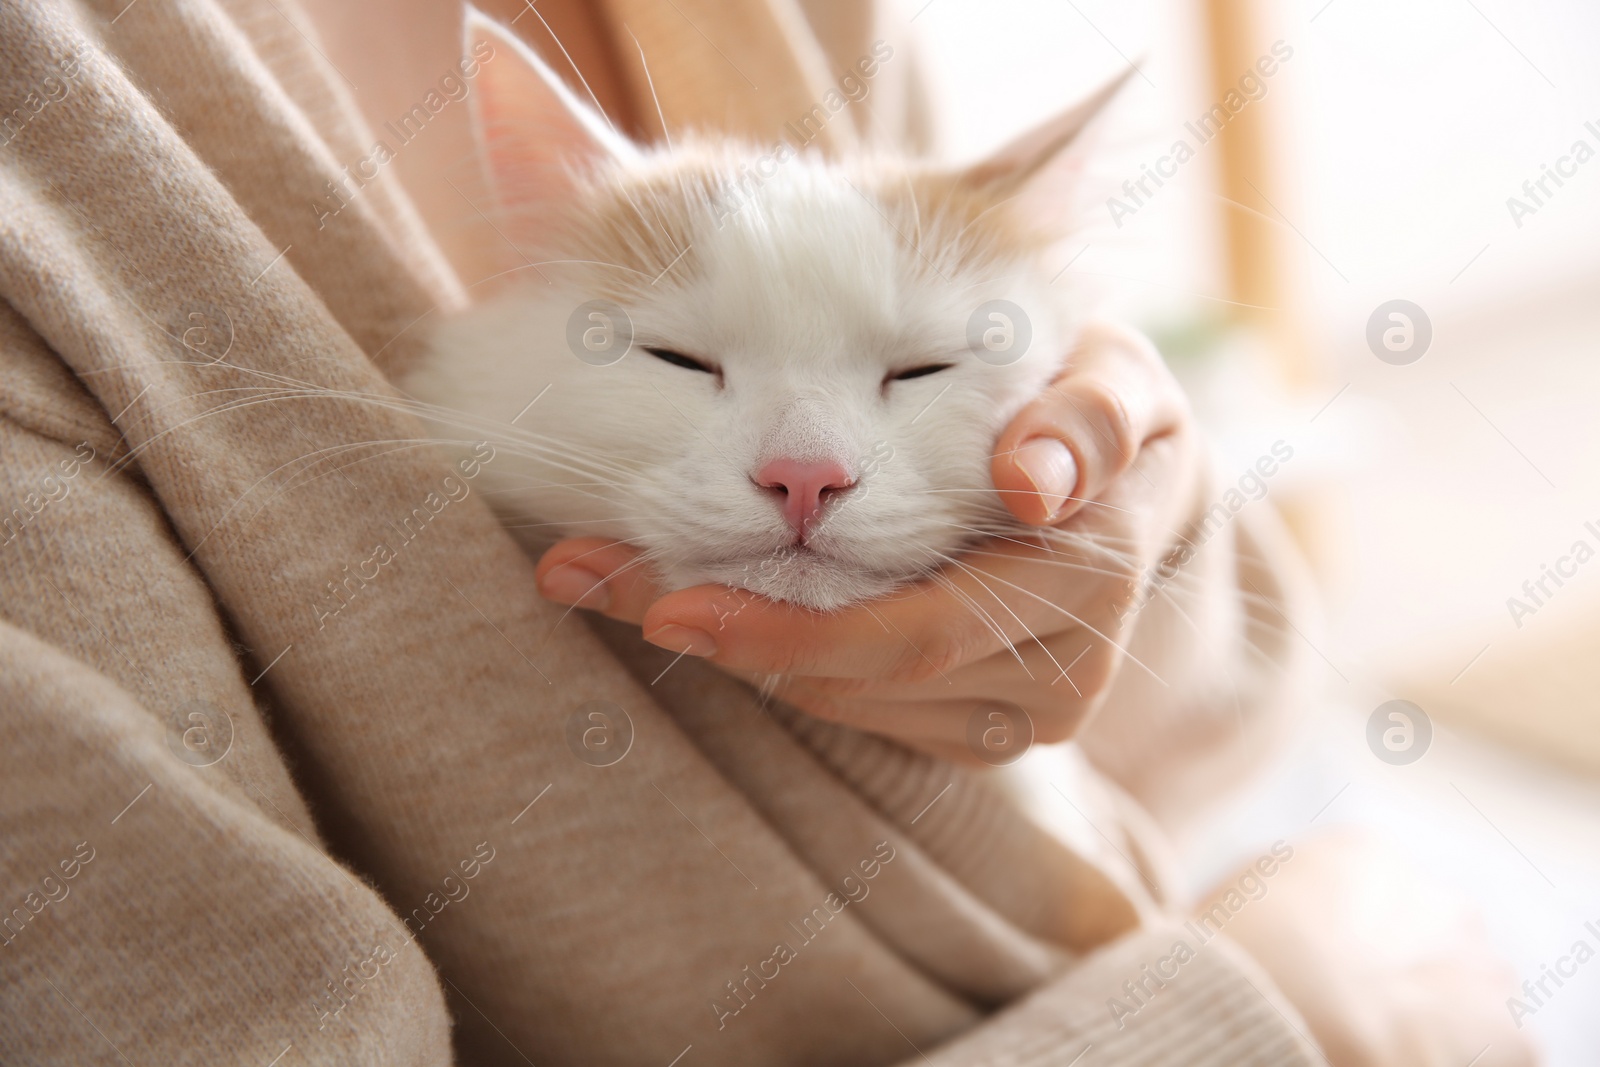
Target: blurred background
x=1374, y=164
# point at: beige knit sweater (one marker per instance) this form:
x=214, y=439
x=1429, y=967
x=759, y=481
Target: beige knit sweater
x=271, y=796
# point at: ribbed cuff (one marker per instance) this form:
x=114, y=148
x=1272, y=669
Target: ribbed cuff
x=1160, y=997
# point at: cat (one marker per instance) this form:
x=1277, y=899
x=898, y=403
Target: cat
x=764, y=369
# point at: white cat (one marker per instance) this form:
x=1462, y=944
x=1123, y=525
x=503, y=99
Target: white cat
x=783, y=373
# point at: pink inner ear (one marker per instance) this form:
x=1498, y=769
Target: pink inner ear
x=533, y=133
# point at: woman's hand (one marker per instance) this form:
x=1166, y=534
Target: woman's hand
x=1105, y=460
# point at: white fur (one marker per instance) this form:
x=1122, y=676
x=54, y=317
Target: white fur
x=807, y=298
x=804, y=294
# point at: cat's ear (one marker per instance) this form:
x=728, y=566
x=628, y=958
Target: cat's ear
x=1039, y=166
x=535, y=137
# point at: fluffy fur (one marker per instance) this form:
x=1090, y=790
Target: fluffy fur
x=807, y=291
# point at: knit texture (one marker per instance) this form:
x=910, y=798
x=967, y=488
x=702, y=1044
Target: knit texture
x=288, y=771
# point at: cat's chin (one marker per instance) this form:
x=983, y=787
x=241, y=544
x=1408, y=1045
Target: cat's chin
x=805, y=579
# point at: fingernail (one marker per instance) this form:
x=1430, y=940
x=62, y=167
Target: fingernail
x=676, y=638
x=576, y=586
x=1050, y=469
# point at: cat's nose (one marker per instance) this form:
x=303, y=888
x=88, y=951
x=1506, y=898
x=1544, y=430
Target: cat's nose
x=805, y=485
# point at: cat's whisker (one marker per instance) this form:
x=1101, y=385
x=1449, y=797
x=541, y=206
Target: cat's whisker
x=637, y=561
x=666, y=133
x=310, y=460
x=766, y=691
x=967, y=600
x=974, y=573
x=1083, y=568
x=989, y=489
x=1100, y=543
x=916, y=206
x=598, y=110
x=238, y=501
x=586, y=523
x=583, y=262
x=1163, y=587
x=539, y=485
x=296, y=481
x=502, y=434
x=1084, y=623
x=887, y=626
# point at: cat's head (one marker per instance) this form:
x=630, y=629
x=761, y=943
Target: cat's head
x=765, y=368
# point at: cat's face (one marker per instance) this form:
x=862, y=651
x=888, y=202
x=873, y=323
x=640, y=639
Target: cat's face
x=800, y=411
x=790, y=383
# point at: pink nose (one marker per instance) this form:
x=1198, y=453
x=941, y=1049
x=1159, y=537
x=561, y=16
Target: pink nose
x=805, y=485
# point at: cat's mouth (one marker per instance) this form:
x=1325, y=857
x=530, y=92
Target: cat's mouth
x=803, y=574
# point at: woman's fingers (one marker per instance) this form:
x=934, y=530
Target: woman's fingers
x=605, y=576
x=1003, y=593
x=999, y=594
x=1060, y=677
x=984, y=605
x=1114, y=409
x=1052, y=684
x=1033, y=622
x=1070, y=444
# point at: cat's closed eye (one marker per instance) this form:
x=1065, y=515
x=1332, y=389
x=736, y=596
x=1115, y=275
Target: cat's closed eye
x=917, y=372
x=678, y=359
